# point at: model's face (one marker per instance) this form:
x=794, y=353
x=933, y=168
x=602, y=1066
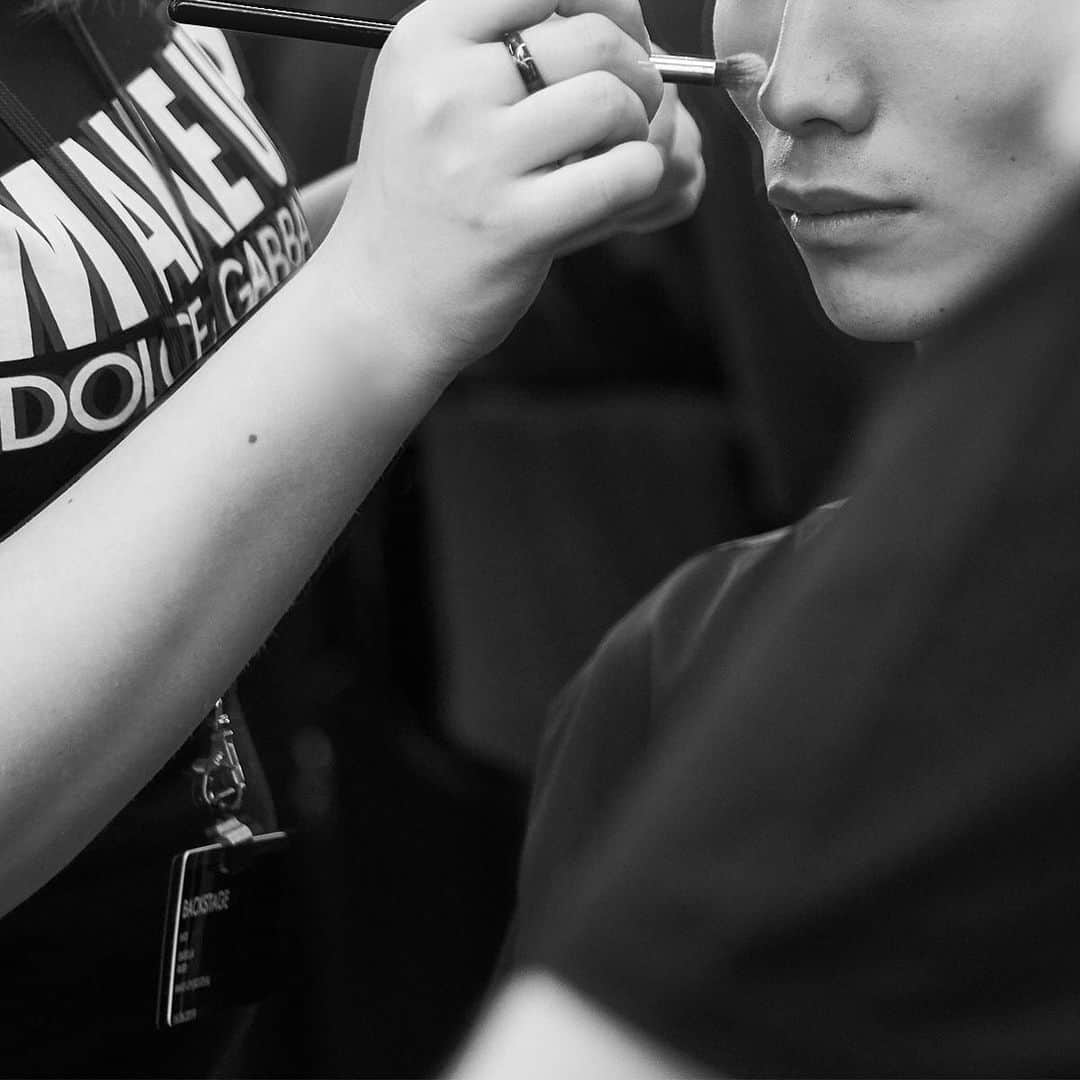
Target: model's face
x=905, y=142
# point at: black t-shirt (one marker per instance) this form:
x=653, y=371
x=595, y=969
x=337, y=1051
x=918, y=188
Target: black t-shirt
x=811, y=810
x=610, y=721
x=110, y=294
x=106, y=300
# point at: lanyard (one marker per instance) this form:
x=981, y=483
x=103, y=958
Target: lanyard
x=141, y=135
x=30, y=132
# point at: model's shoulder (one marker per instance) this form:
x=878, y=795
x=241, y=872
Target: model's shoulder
x=671, y=640
x=730, y=573
x=696, y=611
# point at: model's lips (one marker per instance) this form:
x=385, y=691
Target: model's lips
x=829, y=200
x=833, y=216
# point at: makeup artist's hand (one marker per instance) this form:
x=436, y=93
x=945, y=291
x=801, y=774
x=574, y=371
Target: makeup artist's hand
x=675, y=134
x=458, y=204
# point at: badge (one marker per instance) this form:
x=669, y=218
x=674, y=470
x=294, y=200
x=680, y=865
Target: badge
x=225, y=942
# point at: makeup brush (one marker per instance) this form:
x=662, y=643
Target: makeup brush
x=731, y=74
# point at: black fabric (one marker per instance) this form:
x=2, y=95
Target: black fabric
x=582, y=487
x=608, y=722
x=46, y=344
x=834, y=834
x=97, y=326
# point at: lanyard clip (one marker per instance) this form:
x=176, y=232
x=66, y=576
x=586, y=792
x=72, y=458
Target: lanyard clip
x=219, y=777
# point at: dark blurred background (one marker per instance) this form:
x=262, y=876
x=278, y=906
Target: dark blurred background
x=665, y=393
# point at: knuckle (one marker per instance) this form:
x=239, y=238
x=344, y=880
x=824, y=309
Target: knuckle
x=609, y=195
x=601, y=39
x=632, y=18
x=629, y=11
x=496, y=218
x=432, y=109
x=608, y=96
x=405, y=39
x=693, y=140
x=653, y=90
x=457, y=171
x=633, y=122
x=685, y=203
x=627, y=16
x=697, y=184
x=408, y=21
x=474, y=197
x=638, y=121
x=465, y=181
x=474, y=217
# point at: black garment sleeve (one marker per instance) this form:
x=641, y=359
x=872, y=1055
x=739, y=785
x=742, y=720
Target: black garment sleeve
x=858, y=853
x=611, y=719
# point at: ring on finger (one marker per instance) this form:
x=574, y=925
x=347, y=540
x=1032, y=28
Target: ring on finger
x=524, y=62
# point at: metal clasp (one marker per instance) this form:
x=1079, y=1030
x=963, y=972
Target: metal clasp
x=219, y=777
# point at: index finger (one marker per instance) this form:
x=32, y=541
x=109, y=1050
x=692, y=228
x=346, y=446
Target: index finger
x=489, y=20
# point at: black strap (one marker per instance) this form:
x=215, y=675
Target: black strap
x=29, y=131
x=37, y=141
x=22, y=123
x=32, y=134
x=140, y=134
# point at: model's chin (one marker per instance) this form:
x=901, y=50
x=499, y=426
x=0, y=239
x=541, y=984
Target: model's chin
x=909, y=290
x=884, y=309
x=880, y=322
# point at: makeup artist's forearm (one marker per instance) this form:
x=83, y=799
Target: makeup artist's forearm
x=134, y=599
x=322, y=199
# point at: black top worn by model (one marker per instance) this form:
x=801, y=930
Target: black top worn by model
x=811, y=809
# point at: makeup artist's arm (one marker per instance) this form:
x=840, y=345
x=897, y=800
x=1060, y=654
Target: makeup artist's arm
x=134, y=598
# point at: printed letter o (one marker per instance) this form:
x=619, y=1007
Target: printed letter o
x=82, y=379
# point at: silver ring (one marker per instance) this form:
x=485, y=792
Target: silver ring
x=524, y=62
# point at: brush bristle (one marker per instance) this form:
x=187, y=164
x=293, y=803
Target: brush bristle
x=741, y=71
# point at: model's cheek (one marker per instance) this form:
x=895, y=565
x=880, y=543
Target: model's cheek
x=747, y=26
x=1001, y=153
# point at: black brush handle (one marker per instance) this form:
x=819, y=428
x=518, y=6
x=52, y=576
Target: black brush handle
x=283, y=22
x=367, y=33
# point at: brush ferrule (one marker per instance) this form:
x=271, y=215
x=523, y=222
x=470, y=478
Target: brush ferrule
x=694, y=70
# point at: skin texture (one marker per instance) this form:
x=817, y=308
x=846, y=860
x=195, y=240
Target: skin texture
x=939, y=106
